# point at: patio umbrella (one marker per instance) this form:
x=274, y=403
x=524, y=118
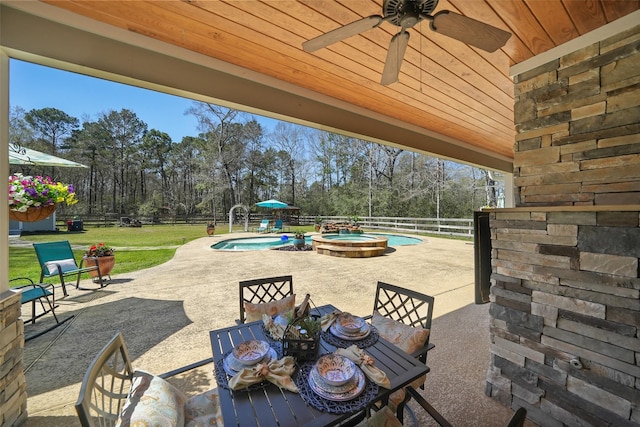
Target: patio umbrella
x=272, y=204
x=30, y=157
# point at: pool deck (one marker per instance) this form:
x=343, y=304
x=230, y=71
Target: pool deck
x=166, y=312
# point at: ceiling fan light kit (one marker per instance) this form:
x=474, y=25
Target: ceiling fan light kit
x=406, y=14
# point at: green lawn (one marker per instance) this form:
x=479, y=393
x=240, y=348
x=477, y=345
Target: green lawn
x=136, y=248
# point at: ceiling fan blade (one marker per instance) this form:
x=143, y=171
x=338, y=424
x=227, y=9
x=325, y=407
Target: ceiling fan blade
x=469, y=31
x=342, y=33
x=397, y=47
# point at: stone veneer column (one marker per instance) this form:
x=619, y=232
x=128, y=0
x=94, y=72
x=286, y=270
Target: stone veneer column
x=565, y=314
x=578, y=127
x=565, y=295
x=13, y=387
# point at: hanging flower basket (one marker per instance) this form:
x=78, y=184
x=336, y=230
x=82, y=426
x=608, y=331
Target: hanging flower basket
x=33, y=198
x=33, y=214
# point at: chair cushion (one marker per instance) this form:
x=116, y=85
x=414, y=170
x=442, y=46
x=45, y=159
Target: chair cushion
x=65, y=265
x=399, y=396
x=407, y=338
x=203, y=410
x=152, y=401
x=382, y=418
x=254, y=312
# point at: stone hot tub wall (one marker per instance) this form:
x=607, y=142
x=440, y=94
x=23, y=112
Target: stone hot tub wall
x=565, y=303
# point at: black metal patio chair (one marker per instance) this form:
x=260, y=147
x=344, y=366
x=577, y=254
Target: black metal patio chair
x=262, y=291
x=413, y=309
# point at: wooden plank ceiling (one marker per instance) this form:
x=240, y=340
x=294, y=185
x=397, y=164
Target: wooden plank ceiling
x=444, y=85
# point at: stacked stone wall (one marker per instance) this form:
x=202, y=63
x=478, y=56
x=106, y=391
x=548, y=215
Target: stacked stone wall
x=565, y=297
x=578, y=127
x=565, y=310
x=13, y=387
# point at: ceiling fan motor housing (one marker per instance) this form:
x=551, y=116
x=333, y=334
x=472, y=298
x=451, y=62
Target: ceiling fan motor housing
x=406, y=13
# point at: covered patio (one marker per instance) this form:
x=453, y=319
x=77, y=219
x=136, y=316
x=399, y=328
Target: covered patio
x=165, y=320
x=569, y=77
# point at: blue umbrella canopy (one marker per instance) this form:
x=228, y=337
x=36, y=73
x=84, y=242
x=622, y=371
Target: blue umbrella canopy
x=272, y=204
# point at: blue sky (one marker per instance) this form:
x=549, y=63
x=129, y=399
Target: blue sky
x=34, y=86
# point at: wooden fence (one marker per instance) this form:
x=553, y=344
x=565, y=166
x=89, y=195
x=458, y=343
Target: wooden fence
x=461, y=227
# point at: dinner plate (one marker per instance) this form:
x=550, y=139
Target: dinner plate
x=335, y=389
x=232, y=366
x=349, y=337
x=351, y=389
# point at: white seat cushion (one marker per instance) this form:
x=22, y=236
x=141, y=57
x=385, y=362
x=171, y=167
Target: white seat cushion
x=65, y=265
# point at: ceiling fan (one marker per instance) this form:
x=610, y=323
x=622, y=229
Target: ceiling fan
x=406, y=14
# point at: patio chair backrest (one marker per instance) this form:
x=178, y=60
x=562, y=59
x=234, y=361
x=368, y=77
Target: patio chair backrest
x=404, y=305
x=105, y=385
x=53, y=251
x=260, y=291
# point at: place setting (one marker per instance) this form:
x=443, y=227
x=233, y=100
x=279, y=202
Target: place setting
x=340, y=382
x=253, y=363
x=343, y=329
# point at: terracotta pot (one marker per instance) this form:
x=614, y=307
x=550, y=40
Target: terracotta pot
x=106, y=264
x=211, y=231
x=33, y=214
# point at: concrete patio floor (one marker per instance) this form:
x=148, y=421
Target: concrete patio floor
x=166, y=312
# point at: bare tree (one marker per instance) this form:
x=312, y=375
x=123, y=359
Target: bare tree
x=290, y=140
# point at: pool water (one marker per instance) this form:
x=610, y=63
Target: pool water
x=261, y=243
x=392, y=239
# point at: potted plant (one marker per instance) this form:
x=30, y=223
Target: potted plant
x=33, y=198
x=298, y=239
x=318, y=222
x=101, y=255
x=211, y=228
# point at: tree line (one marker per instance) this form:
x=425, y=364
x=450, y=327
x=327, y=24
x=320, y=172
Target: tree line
x=134, y=170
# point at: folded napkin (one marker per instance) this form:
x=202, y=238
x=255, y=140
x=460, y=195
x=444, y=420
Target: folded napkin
x=276, y=330
x=367, y=364
x=327, y=320
x=277, y=372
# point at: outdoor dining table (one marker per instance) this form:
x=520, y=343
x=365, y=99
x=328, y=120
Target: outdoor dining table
x=268, y=405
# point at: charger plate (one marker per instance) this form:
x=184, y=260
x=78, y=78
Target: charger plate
x=335, y=330
x=341, y=393
x=369, y=340
x=354, y=405
x=232, y=366
x=223, y=377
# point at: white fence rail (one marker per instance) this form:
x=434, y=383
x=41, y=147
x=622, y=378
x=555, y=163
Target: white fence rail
x=462, y=227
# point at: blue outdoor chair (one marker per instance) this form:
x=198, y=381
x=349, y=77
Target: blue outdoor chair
x=263, y=227
x=278, y=227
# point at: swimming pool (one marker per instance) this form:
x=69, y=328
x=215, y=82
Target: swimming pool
x=261, y=243
x=392, y=239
